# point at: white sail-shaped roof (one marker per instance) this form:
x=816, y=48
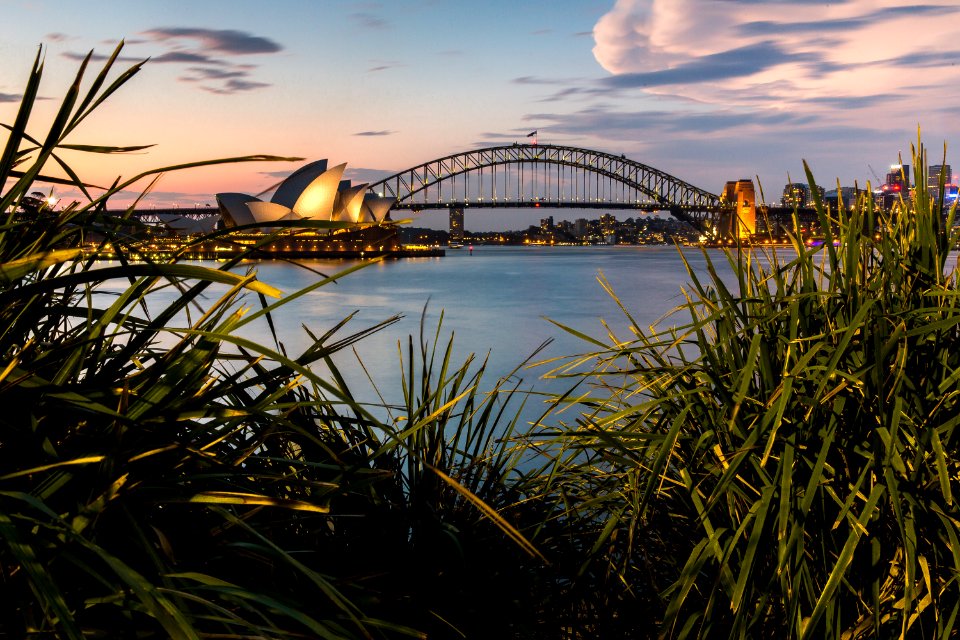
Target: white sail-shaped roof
x=318, y=198
x=294, y=185
x=376, y=208
x=351, y=204
x=312, y=191
x=267, y=212
x=234, y=210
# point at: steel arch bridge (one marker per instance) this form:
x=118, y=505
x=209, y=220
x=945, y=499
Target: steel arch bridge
x=550, y=176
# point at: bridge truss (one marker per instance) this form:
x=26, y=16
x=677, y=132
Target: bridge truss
x=551, y=176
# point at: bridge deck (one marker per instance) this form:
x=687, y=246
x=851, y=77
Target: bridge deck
x=537, y=204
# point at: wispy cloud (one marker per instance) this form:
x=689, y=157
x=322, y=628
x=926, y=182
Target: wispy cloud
x=724, y=65
x=516, y=135
x=765, y=28
x=718, y=50
x=233, y=85
x=360, y=174
x=276, y=174
x=493, y=142
x=758, y=59
x=540, y=80
x=210, y=57
x=691, y=81
x=568, y=92
x=17, y=97
x=384, y=65
x=226, y=41
x=213, y=56
x=383, y=132
x=368, y=20
x=214, y=73
x=615, y=124
x=186, y=57
x=98, y=57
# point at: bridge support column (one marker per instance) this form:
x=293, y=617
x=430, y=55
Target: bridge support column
x=741, y=220
x=456, y=225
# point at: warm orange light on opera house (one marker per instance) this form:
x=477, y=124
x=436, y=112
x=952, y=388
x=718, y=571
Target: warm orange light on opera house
x=312, y=191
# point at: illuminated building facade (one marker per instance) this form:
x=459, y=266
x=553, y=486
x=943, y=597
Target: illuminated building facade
x=933, y=176
x=898, y=179
x=313, y=192
x=581, y=227
x=949, y=189
x=608, y=224
x=845, y=197
x=795, y=194
x=743, y=220
x=456, y=225
x=896, y=185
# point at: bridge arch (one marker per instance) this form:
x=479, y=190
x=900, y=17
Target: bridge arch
x=640, y=186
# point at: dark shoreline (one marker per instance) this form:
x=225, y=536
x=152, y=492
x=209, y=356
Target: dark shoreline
x=271, y=255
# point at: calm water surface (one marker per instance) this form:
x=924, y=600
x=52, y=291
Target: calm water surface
x=496, y=300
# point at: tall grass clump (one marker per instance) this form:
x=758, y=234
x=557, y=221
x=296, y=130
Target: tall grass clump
x=161, y=475
x=782, y=461
x=131, y=431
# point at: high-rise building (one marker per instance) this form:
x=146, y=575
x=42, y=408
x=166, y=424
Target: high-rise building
x=795, y=194
x=898, y=180
x=845, y=197
x=608, y=223
x=933, y=177
x=456, y=226
x=896, y=186
x=581, y=227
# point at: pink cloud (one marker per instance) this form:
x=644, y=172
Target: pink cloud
x=782, y=55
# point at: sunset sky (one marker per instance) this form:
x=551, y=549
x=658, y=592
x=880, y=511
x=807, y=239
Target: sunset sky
x=707, y=90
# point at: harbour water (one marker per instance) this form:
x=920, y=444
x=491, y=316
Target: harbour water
x=495, y=300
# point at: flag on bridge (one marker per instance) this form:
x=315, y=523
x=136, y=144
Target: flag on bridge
x=533, y=134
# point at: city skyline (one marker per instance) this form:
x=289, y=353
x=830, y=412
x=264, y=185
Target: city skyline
x=706, y=91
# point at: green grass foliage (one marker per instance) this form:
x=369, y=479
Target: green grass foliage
x=780, y=458
x=163, y=476
x=780, y=461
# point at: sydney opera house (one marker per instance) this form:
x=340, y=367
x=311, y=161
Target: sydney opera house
x=318, y=193
x=347, y=220
x=313, y=192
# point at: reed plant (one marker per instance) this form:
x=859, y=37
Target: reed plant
x=163, y=476
x=778, y=458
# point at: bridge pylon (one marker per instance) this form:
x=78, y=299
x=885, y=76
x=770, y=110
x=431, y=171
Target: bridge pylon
x=739, y=216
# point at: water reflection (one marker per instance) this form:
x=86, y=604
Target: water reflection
x=495, y=301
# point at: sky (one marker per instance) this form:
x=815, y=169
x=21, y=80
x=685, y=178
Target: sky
x=706, y=90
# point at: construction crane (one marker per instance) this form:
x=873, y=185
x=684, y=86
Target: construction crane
x=875, y=177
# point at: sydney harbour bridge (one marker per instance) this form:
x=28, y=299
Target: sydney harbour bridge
x=551, y=176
